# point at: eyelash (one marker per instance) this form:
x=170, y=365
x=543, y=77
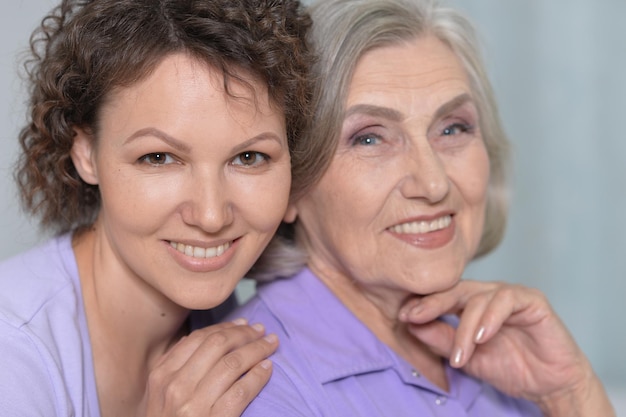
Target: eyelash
x=264, y=158
x=463, y=127
x=457, y=128
x=359, y=139
x=147, y=158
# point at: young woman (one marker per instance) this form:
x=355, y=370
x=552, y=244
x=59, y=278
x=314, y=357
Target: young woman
x=158, y=150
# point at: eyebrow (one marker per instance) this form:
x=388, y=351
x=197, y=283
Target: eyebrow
x=453, y=104
x=183, y=147
x=170, y=140
x=395, y=115
x=376, y=111
x=258, y=138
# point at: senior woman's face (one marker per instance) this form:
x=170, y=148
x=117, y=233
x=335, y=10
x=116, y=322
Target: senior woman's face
x=402, y=204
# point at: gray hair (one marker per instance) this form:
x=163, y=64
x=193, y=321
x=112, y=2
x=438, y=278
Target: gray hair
x=344, y=30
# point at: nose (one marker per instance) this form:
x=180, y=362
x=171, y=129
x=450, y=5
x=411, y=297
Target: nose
x=424, y=175
x=208, y=205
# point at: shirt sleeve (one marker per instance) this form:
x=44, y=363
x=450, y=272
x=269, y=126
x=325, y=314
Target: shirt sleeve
x=26, y=387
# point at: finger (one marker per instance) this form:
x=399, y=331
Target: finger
x=407, y=307
x=236, y=378
x=233, y=401
x=221, y=358
x=451, y=301
x=512, y=305
x=470, y=320
x=179, y=372
x=236, y=364
x=180, y=352
x=486, y=313
x=437, y=335
x=222, y=351
x=242, y=392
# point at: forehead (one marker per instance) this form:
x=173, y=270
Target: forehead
x=187, y=100
x=423, y=70
x=180, y=80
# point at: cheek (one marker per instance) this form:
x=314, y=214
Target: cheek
x=477, y=190
x=137, y=200
x=264, y=199
x=344, y=206
x=472, y=180
x=471, y=176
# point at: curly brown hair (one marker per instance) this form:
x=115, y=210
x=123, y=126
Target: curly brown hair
x=85, y=49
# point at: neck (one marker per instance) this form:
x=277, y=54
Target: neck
x=130, y=324
x=377, y=307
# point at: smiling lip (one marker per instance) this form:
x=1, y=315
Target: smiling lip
x=200, y=252
x=202, y=258
x=429, y=233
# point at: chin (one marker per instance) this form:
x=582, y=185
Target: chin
x=435, y=286
x=202, y=299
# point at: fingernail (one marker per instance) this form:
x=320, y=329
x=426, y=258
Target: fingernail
x=240, y=321
x=258, y=327
x=479, y=334
x=458, y=355
x=271, y=338
x=266, y=364
x=415, y=311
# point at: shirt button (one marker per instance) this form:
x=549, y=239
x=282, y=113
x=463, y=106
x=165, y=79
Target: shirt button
x=440, y=400
x=415, y=373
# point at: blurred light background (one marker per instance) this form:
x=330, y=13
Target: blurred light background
x=559, y=72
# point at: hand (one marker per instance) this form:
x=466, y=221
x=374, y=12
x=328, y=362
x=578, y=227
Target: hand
x=510, y=337
x=214, y=371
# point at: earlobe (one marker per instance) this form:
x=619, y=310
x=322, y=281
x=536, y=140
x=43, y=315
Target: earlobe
x=83, y=157
x=291, y=214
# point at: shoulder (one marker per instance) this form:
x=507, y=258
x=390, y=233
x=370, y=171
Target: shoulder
x=298, y=310
x=284, y=393
x=288, y=393
x=281, y=305
x=44, y=341
x=32, y=280
x=25, y=383
x=45, y=372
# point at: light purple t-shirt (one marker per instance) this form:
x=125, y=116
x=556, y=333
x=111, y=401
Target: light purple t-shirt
x=329, y=364
x=46, y=365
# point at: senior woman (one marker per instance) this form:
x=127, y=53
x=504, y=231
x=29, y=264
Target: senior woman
x=371, y=265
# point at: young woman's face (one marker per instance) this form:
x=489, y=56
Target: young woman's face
x=193, y=182
x=402, y=204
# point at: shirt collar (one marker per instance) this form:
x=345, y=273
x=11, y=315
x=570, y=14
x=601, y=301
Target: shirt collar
x=312, y=315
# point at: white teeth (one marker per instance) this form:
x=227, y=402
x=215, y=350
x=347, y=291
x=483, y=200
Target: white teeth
x=198, y=252
x=423, y=226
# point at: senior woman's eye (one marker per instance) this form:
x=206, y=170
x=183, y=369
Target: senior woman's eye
x=457, y=129
x=250, y=158
x=157, y=158
x=366, y=139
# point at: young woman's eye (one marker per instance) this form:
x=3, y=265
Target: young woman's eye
x=157, y=158
x=250, y=158
x=456, y=129
x=366, y=140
